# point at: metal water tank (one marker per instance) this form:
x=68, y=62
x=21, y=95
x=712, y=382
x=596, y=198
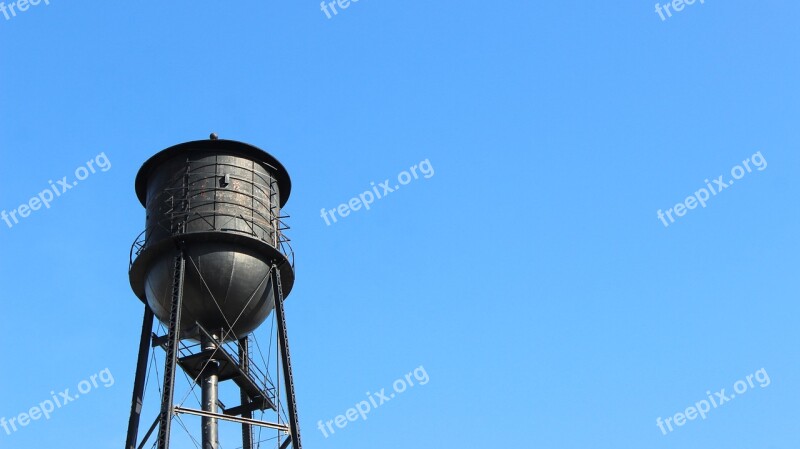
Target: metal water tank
x=220, y=202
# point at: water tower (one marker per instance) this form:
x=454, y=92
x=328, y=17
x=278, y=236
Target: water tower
x=211, y=265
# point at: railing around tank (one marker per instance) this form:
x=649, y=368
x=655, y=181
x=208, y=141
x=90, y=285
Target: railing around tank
x=281, y=242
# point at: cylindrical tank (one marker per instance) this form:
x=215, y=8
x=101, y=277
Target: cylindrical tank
x=220, y=201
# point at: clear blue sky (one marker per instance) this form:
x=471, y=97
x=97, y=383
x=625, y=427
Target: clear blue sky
x=530, y=276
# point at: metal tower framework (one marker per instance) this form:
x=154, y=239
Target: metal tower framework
x=209, y=366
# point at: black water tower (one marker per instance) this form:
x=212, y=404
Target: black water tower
x=212, y=264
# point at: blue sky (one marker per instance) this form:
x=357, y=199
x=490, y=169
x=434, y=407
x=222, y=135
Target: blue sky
x=530, y=276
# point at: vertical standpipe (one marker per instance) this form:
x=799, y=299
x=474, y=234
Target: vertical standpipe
x=210, y=395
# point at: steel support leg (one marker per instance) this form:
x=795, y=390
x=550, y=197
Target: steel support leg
x=174, y=339
x=139, y=380
x=283, y=343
